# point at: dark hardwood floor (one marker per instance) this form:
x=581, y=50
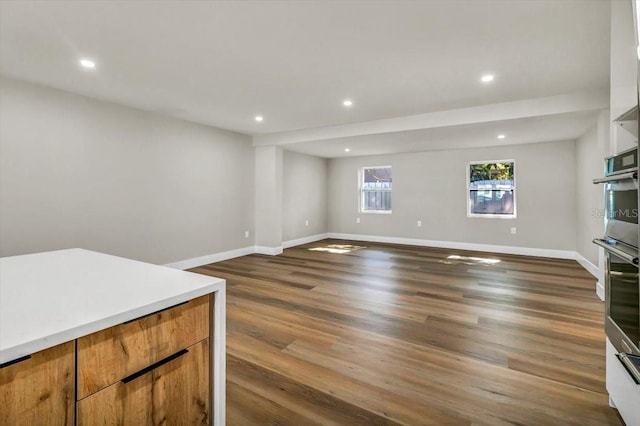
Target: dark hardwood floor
x=390, y=334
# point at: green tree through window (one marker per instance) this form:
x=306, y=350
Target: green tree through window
x=491, y=189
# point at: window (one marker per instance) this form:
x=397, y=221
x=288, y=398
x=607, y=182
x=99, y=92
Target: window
x=492, y=189
x=375, y=189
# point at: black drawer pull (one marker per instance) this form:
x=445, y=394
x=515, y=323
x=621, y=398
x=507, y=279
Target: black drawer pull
x=154, y=366
x=156, y=312
x=15, y=361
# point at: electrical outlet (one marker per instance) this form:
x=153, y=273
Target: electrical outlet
x=513, y=230
x=357, y=220
x=419, y=223
x=246, y=234
x=306, y=222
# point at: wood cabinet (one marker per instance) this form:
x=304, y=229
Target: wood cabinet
x=39, y=389
x=176, y=392
x=113, y=340
x=109, y=355
x=149, y=371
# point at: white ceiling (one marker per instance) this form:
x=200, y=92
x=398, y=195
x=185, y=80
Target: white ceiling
x=560, y=127
x=221, y=63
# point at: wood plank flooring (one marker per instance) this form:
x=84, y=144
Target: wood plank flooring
x=402, y=335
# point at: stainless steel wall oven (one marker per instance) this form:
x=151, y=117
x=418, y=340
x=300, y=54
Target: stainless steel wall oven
x=622, y=286
x=623, y=308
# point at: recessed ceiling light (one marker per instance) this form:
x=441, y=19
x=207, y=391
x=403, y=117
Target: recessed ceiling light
x=87, y=63
x=347, y=102
x=501, y=136
x=259, y=118
x=487, y=78
x=347, y=149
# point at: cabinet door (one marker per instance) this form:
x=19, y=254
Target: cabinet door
x=39, y=390
x=175, y=391
x=109, y=355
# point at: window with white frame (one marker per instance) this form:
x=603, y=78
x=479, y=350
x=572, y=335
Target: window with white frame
x=375, y=189
x=491, y=189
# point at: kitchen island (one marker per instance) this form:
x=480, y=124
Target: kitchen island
x=82, y=333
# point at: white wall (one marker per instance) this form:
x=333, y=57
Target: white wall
x=591, y=148
x=623, y=70
x=268, y=199
x=304, y=195
x=76, y=172
x=431, y=187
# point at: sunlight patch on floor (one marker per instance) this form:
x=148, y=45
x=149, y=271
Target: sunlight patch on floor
x=337, y=248
x=470, y=260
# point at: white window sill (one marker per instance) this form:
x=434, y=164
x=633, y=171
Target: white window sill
x=492, y=216
x=375, y=211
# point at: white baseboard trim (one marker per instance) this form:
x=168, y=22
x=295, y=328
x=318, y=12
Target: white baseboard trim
x=525, y=251
x=593, y=269
x=305, y=240
x=600, y=290
x=271, y=251
x=226, y=255
x=211, y=258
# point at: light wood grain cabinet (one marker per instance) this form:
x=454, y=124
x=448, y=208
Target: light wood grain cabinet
x=175, y=392
x=109, y=355
x=39, y=389
x=114, y=319
x=149, y=371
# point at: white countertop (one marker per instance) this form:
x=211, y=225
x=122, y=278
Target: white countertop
x=54, y=297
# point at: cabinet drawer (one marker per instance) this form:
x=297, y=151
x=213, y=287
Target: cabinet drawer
x=176, y=392
x=39, y=390
x=622, y=389
x=109, y=355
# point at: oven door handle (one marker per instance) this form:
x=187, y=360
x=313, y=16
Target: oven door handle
x=626, y=256
x=615, y=178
